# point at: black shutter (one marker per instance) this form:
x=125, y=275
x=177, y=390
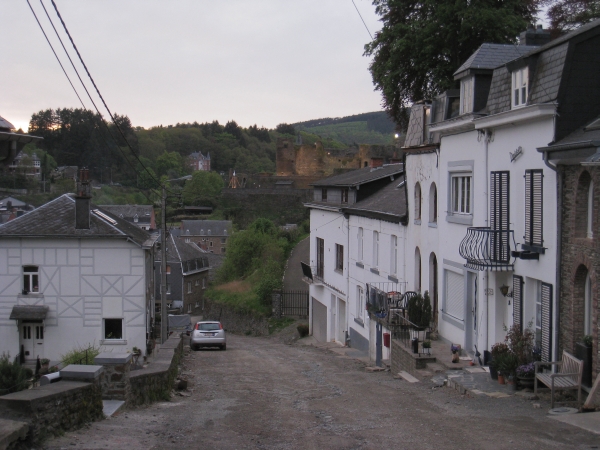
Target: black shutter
x=534, y=208
x=546, y=322
x=518, y=301
x=499, y=215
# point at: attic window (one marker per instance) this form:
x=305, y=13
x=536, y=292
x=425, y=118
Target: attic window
x=135, y=218
x=466, y=95
x=104, y=216
x=520, y=83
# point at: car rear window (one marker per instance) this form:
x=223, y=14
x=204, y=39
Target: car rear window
x=208, y=326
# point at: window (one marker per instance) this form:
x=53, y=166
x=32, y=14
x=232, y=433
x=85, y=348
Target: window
x=417, y=202
x=324, y=194
x=168, y=288
x=587, y=322
x=590, y=210
x=533, y=208
x=320, y=257
x=168, y=269
x=520, y=81
x=31, y=279
x=433, y=201
x=197, y=305
x=466, y=95
x=135, y=218
x=394, y=255
x=345, y=195
x=189, y=287
x=189, y=308
x=454, y=289
x=197, y=283
x=360, y=302
x=210, y=244
x=339, y=257
x=360, y=244
x=375, y=249
x=461, y=194
x=223, y=249
x=417, y=270
x=113, y=329
x=187, y=240
x=203, y=283
x=223, y=240
x=584, y=206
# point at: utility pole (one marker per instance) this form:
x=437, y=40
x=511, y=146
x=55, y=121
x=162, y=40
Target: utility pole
x=163, y=266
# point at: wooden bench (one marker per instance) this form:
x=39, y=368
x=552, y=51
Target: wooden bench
x=568, y=376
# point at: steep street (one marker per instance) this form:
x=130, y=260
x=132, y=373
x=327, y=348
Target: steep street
x=262, y=393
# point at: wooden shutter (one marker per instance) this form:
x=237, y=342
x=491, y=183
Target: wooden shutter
x=546, y=322
x=518, y=301
x=320, y=257
x=534, y=207
x=499, y=215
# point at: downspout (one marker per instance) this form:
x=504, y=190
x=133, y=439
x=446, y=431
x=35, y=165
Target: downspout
x=485, y=303
x=559, y=202
x=346, y=335
x=406, y=217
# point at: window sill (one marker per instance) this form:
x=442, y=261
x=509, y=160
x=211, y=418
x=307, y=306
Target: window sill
x=31, y=295
x=359, y=264
x=432, y=224
x=376, y=271
x=533, y=248
x=340, y=271
x=417, y=221
x=359, y=321
x=463, y=219
x=113, y=342
x=392, y=278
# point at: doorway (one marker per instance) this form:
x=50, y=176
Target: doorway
x=472, y=322
x=341, y=326
x=31, y=340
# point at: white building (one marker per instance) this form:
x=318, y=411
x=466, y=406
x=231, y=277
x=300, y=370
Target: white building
x=72, y=275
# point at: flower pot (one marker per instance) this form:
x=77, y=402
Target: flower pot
x=584, y=353
x=493, y=373
x=500, y=379
x=526, y=382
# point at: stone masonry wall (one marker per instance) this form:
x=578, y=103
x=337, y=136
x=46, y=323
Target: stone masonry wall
x=403, y=359
x=53, y=409
x=237, y=322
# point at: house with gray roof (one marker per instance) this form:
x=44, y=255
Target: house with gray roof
x=73, y=275
x=209, y=235
x=140, y=215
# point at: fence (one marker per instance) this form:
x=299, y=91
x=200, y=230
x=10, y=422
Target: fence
x=290, y=303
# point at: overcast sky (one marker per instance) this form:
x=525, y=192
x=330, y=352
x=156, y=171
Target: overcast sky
x=161, y=62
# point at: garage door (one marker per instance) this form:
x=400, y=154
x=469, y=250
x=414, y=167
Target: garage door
x=319, y=320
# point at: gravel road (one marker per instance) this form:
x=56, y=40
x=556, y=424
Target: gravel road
x=264, y=394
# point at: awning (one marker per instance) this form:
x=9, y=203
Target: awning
x=29, y=312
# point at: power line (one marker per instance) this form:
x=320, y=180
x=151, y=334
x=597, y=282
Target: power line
x=361, y=18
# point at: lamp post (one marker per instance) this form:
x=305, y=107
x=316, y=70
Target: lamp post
x=163, y=260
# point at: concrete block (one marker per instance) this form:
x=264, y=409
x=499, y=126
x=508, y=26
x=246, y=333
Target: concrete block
x=81, y=372
x=112, y=358
x=12, y=431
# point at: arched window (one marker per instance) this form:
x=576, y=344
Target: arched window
x=584, y=206
x=433, y=201
x=417, y=201
x=590, y=210
x=587, y=321
x=417, y=269
x=433, y=284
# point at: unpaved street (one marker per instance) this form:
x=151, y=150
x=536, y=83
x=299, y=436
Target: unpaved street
x=264, y=394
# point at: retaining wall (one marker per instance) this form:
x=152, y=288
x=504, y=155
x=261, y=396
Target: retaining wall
x=235, y=321
x=403, y=359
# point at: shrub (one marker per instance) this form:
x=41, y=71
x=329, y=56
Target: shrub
x=303, y=330
x=81, y=355
x=13, y=376
x=419, y=310
x=520, y=342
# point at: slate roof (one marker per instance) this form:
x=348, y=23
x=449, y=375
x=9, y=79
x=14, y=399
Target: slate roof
x=6, y=124
x=202, y=227
x=56, y=219
x=389, y=203
x=490, y=56
x=361, y=176
x=14, y=202
x=29, y=312
x=127, y=212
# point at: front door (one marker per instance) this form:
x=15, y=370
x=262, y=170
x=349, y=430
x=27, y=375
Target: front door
x=341, y=328
x=472, y=312
x=31, y=340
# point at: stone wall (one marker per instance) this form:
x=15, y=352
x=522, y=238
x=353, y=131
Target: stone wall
x=403, y=359
x=237, y=322
x=53, y=409
x=155, y=382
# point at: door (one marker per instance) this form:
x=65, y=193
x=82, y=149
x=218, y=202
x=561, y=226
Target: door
x=31, y=340
x=472, y=312
x=341, y=328
x=319, y=320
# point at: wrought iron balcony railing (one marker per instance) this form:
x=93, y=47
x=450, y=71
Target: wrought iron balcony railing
x=487, y=249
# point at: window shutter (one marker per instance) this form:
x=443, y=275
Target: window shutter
x=499, y=214
x=533, y=208
x=546, y=322
x=518, y=301
x=455, y=290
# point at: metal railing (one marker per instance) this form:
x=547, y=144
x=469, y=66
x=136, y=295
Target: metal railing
x=488, y=249
x=407, y=333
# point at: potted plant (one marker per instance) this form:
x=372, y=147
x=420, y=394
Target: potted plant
x=526, y=374
x=498, y=349
x=520, y=343
x=427, y=347
x=419, y=310
x=137, y=351
x=583, y=351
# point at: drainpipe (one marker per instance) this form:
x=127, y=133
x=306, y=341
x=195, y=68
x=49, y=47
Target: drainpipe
x=559, y=202
x=485, y=303
x=347, y=341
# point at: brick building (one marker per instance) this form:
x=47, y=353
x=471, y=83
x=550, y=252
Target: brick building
x=209, y=235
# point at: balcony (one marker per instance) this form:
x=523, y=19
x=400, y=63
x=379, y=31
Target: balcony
x=487, y=249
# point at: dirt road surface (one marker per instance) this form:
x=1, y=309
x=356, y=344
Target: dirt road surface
x=264, y=394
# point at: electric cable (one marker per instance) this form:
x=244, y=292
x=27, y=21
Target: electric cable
x=363, y=20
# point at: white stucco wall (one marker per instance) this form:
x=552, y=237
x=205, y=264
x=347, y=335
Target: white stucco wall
x=82, y=281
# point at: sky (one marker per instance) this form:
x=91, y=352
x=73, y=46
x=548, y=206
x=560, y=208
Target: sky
x=260, y=62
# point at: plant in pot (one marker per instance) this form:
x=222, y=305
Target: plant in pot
x=526, y=374
x=583, y=351
x=427, y=347
x=510, y=362
x=419, y=311
x=137, y=351
x=520, y=342
x=498, y=349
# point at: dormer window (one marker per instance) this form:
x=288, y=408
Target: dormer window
x=135, y=218
x=466, y=95
x=520, y=82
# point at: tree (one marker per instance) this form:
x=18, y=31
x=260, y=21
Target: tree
x=204, y=187
x=170, y=164
x=285, y=128
x=566, y=15
x=423, y=42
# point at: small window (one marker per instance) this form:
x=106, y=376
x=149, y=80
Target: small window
x=223, y=249
x=209, y=232
x=360, y=244
x=31, y=279
x=520, y=82
x=187, y=240
x=189, y=308
x=394, y=255
x=189, y=287
x=590, y=211
x=433, y=201
x=461, y=194
x=466, y=95
x=210, y=244
x=197, y=283
x=375, y=249
x=113, y=329
x=223, y=240
x=203, y=283
x=339, y=257
x=417, y=270
x=168, y=272
x=324, y=194
x=135, y=218
x=417, y=201
x=168, y=288
x=345, y=192
x=360, y=302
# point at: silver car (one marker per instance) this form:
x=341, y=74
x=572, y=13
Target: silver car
x=208, y=334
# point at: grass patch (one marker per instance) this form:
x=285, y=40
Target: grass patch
x=279, y=324
x=245, y=301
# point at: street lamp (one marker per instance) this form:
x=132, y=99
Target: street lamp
x=163, y=260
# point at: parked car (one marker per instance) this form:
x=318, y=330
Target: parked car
x=208, y=334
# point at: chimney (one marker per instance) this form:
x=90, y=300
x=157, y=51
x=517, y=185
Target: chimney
x=82, y=201
x=534, y=36
x=9, y=205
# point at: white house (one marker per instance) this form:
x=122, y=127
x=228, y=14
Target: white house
x=72, y=275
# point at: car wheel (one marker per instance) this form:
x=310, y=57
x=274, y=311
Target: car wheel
x=224, y=347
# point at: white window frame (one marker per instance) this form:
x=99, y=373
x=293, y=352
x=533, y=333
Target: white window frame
x=467, y=96
x=189, y=287
x=31, y=279
x=122, y=338
x=461, y=194
x=375, y=249
x=360, y=302
x=393, y=254
x=360, y=244
x=520, y=87
x=458, y=169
